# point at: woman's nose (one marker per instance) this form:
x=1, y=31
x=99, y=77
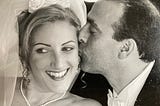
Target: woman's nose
x=57, y=61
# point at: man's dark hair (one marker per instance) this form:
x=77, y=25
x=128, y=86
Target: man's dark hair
x=141, y=22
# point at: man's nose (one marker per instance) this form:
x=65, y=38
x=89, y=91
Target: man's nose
x=84, y=34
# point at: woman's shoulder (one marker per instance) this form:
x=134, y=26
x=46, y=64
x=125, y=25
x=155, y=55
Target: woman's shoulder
x=87, y=102
x=80, y=101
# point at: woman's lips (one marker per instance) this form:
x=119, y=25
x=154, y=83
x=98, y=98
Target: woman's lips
x=55, y=75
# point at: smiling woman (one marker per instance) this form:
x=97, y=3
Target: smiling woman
x=54, y=57
x=49, y=54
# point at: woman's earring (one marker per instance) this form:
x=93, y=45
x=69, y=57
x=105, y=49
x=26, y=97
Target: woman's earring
x=25, y=79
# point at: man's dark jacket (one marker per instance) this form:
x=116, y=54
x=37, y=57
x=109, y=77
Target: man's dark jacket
x=150, y=93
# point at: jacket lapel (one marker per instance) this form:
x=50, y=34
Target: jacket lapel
x=150, y=93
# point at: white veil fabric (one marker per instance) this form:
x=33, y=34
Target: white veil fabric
x=10, y=67
x=9, y=60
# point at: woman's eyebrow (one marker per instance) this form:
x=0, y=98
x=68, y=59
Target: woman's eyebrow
x=68, y=42
x=41, y=44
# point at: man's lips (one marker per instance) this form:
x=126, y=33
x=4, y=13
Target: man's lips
x=55, y=75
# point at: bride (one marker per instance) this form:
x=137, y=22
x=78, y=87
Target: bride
x=49, y=54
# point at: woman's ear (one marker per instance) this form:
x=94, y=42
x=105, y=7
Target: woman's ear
x=126, y=48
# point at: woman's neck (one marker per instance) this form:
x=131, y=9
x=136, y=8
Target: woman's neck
x=37, y=96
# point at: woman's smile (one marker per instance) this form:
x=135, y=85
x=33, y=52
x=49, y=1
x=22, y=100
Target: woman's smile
x=57, y=74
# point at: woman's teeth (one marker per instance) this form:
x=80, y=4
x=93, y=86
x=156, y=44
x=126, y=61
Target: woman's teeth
x=57, y=75
x=60, y=74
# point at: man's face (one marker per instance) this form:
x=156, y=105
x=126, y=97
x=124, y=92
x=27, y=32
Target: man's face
x=98, y=49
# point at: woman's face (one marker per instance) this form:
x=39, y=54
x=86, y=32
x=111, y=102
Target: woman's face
x=54, y=56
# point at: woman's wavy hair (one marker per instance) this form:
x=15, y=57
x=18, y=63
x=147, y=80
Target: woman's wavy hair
x=30, y=22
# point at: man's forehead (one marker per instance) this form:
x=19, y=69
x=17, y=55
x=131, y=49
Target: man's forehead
x=107, y=10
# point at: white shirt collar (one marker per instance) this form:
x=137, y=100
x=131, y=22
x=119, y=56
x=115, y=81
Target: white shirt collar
x=128, y=95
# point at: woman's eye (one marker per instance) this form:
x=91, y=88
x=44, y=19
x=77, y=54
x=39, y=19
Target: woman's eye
x=41, y=50
x=67, y=49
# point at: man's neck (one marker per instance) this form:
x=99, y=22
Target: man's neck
x=126, y=74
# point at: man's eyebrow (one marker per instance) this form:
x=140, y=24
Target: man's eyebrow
x=41, y=44
x=92, y=23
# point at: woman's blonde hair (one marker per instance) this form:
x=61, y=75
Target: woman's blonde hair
x=38, y=18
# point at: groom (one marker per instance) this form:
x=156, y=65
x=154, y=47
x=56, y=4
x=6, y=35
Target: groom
x=121, y=41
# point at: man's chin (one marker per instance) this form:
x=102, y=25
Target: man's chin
x=87, y=68
x=84, y=67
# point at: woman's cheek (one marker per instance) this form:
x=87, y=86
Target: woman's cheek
x=40, y=62
x=74, y=59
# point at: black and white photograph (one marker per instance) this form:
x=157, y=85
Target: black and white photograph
x=79, y=52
